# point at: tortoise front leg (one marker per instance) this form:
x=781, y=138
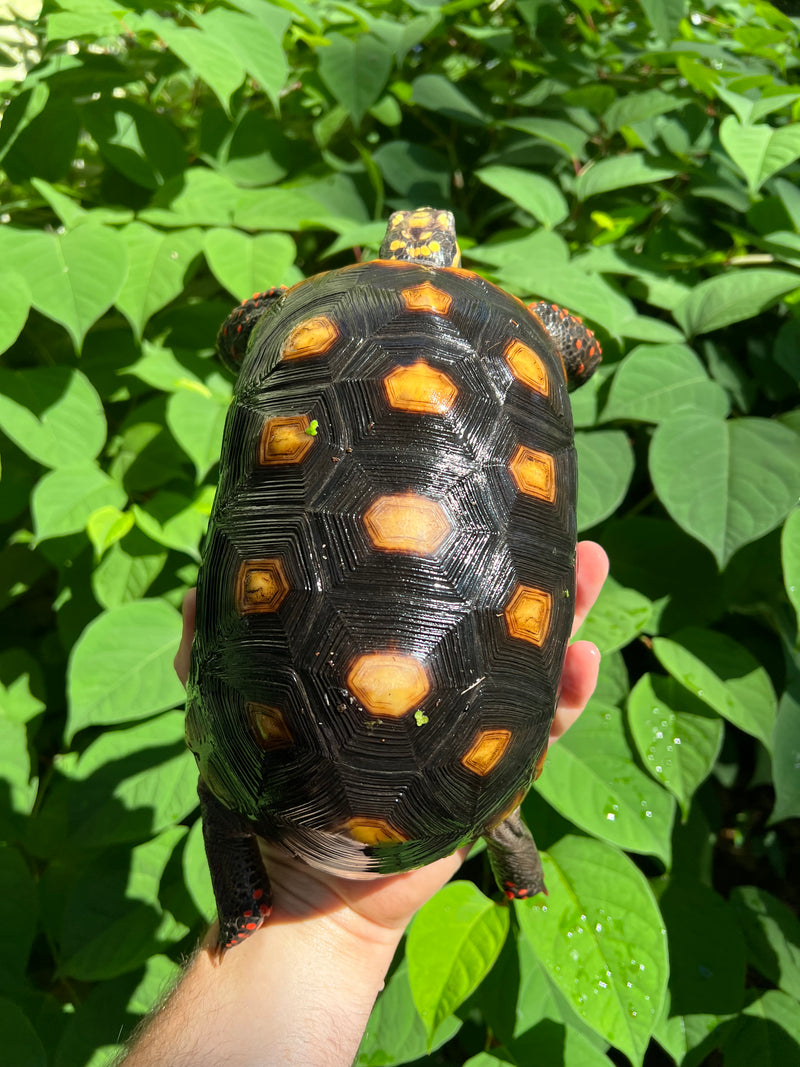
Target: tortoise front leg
x=236, y=329
x=515, y=860
x=241, y=885
x=577, y=345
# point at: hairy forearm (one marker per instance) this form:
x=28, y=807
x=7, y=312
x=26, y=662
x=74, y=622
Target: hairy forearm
x=297, y=994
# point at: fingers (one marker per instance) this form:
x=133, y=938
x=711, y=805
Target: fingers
x=578, y=682
x=181, y=661
x=592, y=571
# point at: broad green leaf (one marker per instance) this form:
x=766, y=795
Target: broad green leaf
x=15, y=302
x=160, y=974
x=706, y=950
x=21, y=679
x=395, y=1034
x=532, y=192
x=121, y=667
x=128, y=570
x=591, y=779
x=158, y=267
x=113, y=921
x=656, y=381
x=355, y=71
x=724, y=675
x=618, y=172
x=637, y=107
x=63, y=500
x=552, y=1044
x=601, y=939
x=563, y=135
x=175, y=521
x=772, y=934
x=19, y=911
x=196, y=874
x=414, y=170
x=605, y=468
x=73, y=277
x=452, y=944
x=53, y=414
x=244, y=264
x=616, y=617
x=732, y=297
x=759, y=151
x=790, y=553
x=200, y=197
x=665, y=16
x=20, y=1042
x=677, y=737
x=437, y=93
x=767, y=1033
x=725, y=483
x=106, y=526
x=613, y=683
x=786, y=757
x=251, y=41
x=196, y=422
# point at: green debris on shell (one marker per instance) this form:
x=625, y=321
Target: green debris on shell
x=420, y=718
x=311, y=430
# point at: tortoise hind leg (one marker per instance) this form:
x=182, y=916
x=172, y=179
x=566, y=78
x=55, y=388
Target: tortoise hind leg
x=515, y=860
x=235, y=331
x=241, y=885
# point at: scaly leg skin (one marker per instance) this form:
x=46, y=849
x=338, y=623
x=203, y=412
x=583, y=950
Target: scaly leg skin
x=236, y=329
x=578, y=346
x=515, y=860
x=240, y=882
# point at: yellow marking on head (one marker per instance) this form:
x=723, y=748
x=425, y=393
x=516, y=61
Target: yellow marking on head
x=395, y=245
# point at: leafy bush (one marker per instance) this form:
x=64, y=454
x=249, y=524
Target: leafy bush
x=636, y=163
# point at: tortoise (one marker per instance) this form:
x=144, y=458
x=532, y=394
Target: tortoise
x=386, y=589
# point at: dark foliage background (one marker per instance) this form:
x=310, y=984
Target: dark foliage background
x=637, y=163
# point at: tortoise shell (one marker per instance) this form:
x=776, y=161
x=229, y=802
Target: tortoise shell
x=387, y=584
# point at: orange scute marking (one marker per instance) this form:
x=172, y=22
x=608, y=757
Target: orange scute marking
x=371, y=831
x=528, y=614
x=261, y=585
x=310, y=338
x=269, y=727
x=534, y=473
x=388, y=683
x=284, y=440
x=421, y=389
x=406, y=522
x=427, y=297
x=527, y=366
x=486, y=751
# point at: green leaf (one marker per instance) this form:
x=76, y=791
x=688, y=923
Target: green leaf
x=732, y=297
x=21, y=1045
x=53, y=414
x=121, y=666
x=106, y=526
x=244, y=264
x=591, y=779
x=19, y=911
x=677, y=737
x=355, y=71
x=158, y=266
x=176, y=521
x=725, y=483
x=772, y=933
x=601, y=939
x=64, y=500
x=196, y=874
x=196, y=422
x=665, y=16
x=618, y=172
x=532, y=192
x=73, y=277
x=616, y=617
x=437, y=93
x=251, y=41
x=786, y=757
x=605, y=468
x=452, y=944
x=638, y=107
x=790, y=555
x=656, y=381
x=759, y=151
x=571, y=140
x=15, y=768
x=128, y=570
x=767, y=1032
x=15, y=302
x=724, y=675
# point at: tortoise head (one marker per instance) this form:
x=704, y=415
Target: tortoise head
x=426, y=236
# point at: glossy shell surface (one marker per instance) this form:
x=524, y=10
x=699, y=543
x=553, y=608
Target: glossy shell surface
x=387, y=585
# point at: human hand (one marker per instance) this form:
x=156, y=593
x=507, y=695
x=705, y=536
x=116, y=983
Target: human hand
x=374, y=907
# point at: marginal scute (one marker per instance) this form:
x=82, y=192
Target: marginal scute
x=528, y=614
x=388, y=683
x=527, y=366
x=406, y=522
x=372, y=831
x=269, y=726
x=310, y=338
x=534, y=473
x=261, y=585
x=509, y=809
x=284, y=440
x=486, y=751
x=420, y=389
x=427, y=297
